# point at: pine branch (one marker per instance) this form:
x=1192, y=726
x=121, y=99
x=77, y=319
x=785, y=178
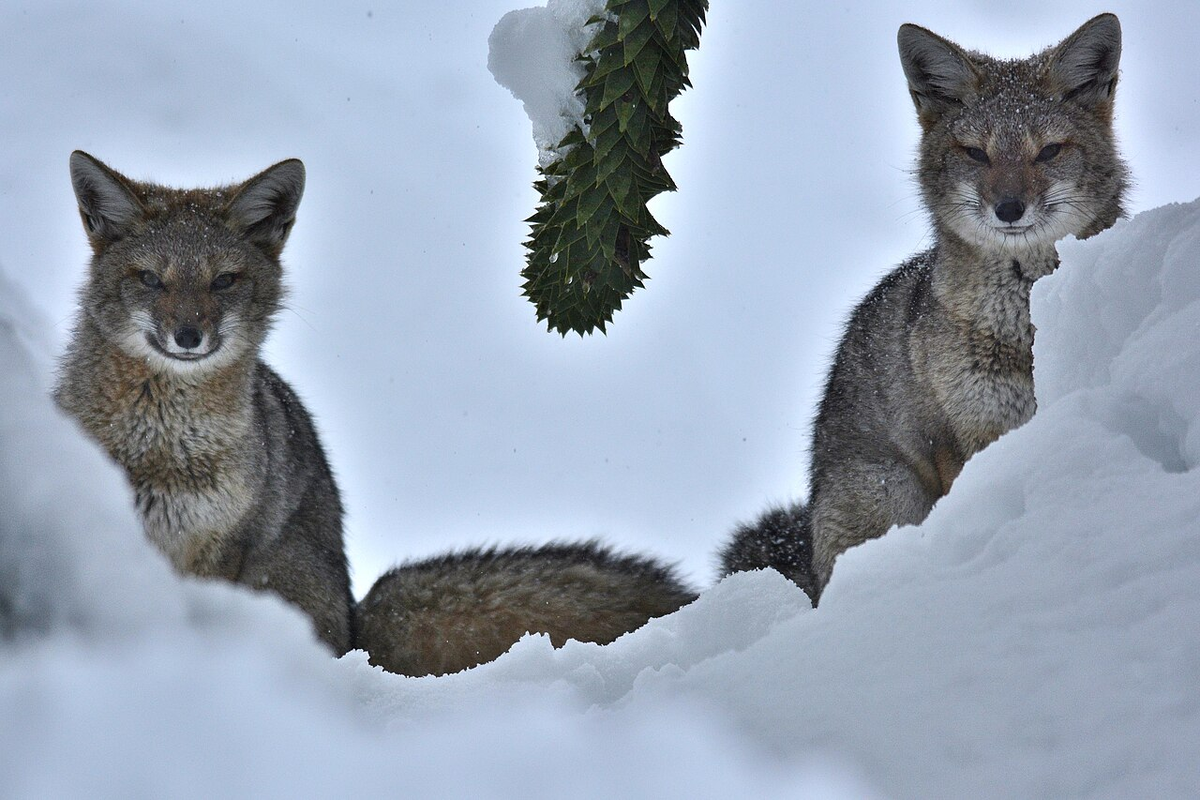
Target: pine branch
x=589, y=235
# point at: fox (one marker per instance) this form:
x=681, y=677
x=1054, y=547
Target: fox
x=936, y=362
x=163, y=369
x=230, y=478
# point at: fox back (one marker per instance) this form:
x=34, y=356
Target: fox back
x=937, y=361
x=163, y=370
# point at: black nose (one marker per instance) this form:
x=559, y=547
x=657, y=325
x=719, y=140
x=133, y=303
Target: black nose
x=188, y=336
x=1010, y=209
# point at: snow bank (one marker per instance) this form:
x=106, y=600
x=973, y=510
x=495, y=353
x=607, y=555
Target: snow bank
x=67, y=519
x=532, y=52
x=1039, y=635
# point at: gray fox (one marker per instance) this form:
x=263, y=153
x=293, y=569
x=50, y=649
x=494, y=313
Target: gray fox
x=937, y=361
x=229, y=476
x=163, y=370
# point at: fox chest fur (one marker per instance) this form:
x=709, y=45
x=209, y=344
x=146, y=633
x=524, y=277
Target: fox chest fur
x=184, y=446
x=971, y=348
x=936, y=363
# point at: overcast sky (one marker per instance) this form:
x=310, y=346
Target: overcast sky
x=451, y=417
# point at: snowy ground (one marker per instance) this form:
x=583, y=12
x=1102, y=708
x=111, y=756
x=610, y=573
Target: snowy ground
x=1039, y=635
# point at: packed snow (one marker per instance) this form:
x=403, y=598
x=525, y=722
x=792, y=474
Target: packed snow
x=1038, y=635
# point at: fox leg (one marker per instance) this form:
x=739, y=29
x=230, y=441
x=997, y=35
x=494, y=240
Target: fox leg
x=861, y=502
x=302, y=573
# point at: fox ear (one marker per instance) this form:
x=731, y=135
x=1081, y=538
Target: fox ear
x=940, y=74
x=264, y=207
x=107, y=204
x=1083, y=68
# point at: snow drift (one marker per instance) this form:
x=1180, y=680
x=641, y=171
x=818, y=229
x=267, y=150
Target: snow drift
x=1038, y=635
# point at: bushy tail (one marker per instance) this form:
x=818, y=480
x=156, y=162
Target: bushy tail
x=779, y=539
x=451, y=612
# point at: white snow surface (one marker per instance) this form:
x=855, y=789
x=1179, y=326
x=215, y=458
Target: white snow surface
x=1038, y=636
x=532, y=53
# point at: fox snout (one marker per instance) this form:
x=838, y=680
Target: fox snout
x=194, y=339
x=191, y=341
x=188, y=337
x=1009, y=187
x=178, y=333
x=1010, y=209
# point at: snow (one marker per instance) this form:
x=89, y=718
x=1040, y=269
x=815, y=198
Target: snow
x=532, y=52
x=1039, y=635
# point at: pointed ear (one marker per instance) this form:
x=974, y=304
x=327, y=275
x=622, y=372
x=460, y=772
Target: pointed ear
x=1083, y=68
x=264, y=207
x=940, y=74
x=107, y=203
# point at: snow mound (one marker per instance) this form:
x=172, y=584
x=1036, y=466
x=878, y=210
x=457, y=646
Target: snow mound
x=1038, y=635
x=532, y=52
x=66, y=511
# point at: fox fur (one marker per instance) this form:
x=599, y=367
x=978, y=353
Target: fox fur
x=451, y=612
x=937, y=361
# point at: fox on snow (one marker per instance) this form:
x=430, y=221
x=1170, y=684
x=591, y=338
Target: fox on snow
x=937, y=361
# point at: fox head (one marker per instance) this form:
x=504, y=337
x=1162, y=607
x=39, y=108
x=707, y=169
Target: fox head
x=1018, y=153
x=187, y=280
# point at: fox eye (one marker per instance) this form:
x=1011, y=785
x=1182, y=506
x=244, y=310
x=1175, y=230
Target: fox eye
x=1048, y=152
x=223, y=281
x=149, y=279
x=975, y=154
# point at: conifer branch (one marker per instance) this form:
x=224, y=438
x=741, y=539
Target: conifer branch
x=588, y=239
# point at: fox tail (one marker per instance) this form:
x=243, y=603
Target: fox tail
x=780, y=539
x=451, y=612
